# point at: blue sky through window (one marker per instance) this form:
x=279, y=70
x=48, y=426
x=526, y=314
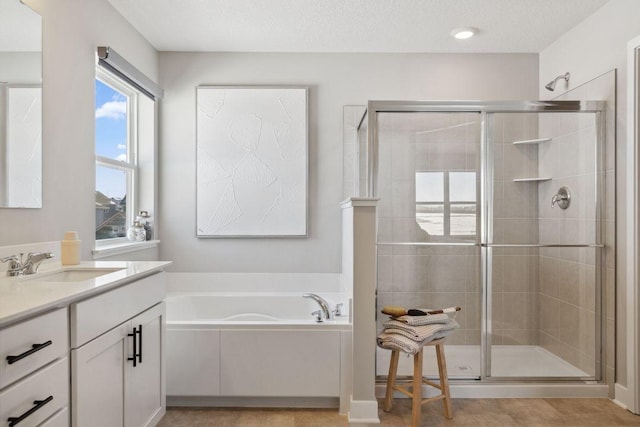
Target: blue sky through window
x=111, y=136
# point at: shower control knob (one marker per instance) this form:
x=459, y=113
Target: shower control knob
x=562, y=198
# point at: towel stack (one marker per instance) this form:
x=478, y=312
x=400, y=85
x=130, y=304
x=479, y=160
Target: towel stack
x=410, y=333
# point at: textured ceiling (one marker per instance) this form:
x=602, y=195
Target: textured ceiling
x=352, y=25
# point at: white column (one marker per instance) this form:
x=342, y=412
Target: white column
x=359, y=268
x=629, y=394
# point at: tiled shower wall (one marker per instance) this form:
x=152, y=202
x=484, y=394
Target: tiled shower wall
x=567, y=295
x=568, y=300
x=514, y=271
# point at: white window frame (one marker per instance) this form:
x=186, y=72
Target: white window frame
x=447, y=204
x=130, y=167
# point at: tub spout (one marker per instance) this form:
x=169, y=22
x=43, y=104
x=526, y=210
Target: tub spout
x=324, y=305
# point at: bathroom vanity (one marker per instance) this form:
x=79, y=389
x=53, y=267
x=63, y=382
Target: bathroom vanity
x=83, y=346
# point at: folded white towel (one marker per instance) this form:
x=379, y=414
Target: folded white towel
x=405, y=344
x=421, y=332
x=398, y=342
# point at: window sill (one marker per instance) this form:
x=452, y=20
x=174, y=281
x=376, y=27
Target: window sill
x=123, y=248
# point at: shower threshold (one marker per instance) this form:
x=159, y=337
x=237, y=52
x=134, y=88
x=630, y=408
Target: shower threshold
x=463, y=362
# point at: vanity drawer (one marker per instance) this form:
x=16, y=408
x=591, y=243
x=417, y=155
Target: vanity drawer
x=47, y=390
x=95, y=316
x=19, y=340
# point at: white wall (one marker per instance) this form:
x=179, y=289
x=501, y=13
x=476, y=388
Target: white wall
x=593, y=47
x=21, y=67
x=335, y=80
x=71, y=31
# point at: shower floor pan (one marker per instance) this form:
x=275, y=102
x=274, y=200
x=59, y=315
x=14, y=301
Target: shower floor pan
x=463, y=362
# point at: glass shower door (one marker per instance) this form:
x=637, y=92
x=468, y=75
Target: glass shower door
x=429, y=219
x=543, y=245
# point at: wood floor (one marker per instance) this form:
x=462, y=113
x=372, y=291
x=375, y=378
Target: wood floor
x=466, y=412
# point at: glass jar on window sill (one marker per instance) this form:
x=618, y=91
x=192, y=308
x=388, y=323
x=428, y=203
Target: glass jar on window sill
x=145, y=220
x=137, y=233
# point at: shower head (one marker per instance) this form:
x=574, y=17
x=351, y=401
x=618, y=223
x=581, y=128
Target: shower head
x=552, y=84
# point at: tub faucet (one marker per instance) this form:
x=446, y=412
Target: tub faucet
x=324, y=305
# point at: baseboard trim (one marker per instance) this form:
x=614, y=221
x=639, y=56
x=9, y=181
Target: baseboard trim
x=253, y=402
x=363, y=412
x=621, y=396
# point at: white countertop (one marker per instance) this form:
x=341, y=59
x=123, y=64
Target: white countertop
x=25, y=296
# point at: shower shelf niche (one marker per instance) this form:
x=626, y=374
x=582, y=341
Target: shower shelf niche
x=532, y=141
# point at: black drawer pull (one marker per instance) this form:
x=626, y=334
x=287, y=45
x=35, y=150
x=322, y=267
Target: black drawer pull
x=39, y=404
x=135, y=347
x=34, y=348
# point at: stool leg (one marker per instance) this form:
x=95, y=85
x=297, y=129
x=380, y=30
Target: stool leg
x=416, y=406
x=444, y=380
x=391, y=380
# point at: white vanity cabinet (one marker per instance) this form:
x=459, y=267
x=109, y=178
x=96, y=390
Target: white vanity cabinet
x=117, y=357
x=34, y=371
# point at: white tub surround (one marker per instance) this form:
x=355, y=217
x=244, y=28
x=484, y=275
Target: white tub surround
x=249, y=339
x=26, y=296
x=359, y=262
x=253, y=349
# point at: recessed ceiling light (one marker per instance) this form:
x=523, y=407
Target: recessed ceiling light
x=463, y=33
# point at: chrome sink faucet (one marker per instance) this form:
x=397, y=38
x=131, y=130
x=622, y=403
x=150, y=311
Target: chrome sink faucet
x=19, y=266
x=324, y=306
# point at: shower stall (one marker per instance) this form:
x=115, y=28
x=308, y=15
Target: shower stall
x=496, y=207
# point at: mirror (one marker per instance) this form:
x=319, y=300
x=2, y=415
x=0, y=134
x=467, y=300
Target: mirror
x=20, y=106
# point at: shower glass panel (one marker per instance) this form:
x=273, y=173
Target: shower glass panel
x=543, y=266
x=466, y=218
x=428, y=184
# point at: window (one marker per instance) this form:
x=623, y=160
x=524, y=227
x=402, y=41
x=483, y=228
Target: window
x=446, y=203
x=126, y=158
x=116, y=155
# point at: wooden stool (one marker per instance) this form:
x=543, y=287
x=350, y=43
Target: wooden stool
x=417, y=382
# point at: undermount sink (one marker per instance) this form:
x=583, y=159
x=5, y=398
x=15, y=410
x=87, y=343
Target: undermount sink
x=74, y=275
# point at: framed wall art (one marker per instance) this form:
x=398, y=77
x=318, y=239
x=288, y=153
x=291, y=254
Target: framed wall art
x=252, y=161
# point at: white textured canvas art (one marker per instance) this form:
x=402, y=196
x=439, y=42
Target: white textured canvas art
x=251, y=161
x=22, y=186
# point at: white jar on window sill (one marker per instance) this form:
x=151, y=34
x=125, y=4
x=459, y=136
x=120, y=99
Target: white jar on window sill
x=137, y=233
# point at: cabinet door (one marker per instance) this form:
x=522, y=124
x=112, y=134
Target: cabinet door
x=98, y=380
x=145, y=383
x=61, y=419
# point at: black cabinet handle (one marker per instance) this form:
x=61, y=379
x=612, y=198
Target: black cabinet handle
x=34, y=348
x=38, y=404
x=140, y=344
x=135, y=346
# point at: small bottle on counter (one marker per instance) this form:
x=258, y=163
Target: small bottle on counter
x=70, y=248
